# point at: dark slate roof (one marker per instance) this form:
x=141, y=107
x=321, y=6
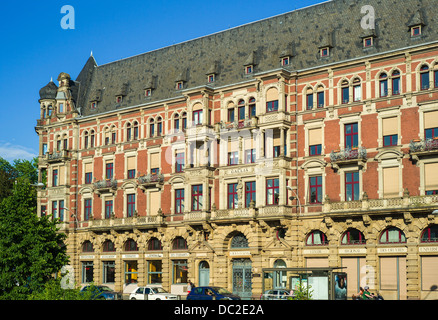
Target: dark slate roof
x=48, y=91
x=301, y=33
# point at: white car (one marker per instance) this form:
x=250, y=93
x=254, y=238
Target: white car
x=151, y=293
x=276, y=294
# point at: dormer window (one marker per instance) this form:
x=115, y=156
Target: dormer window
x=179, y=85
x=61, y=108
x=93, y=105
x=285, y=61
x=368, y=42
x=119, y=99
x=210, y=78
x=248, y=69
x=325, y=52
x=415, y=31
x=148, y=92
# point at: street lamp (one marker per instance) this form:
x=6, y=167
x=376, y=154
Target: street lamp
x=72, y=215
x=296, y=196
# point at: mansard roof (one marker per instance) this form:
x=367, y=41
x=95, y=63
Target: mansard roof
x=300, y=32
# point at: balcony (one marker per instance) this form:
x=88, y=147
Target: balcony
x=196, y=217
x=390, y=204
x=231, y=214
x=128, y=222
x=58, y=156
x=150, y=181
x=275, y=212
x=105, y=186
x=236, y=125
x=348, y=156
x=421, y=148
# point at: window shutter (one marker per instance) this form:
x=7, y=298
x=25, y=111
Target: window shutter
x=272, y=94
x=390, y=182
x=431, y=176
x=388, y=273
x=390, y=126
x=131, y=163
x=154, y=203
x=431, y=120
x=429, y=276
x=155, y=160
x=88, y=167
x=315, y=136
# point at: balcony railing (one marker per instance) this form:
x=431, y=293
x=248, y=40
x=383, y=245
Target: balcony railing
x=137, y=221
x=359, y=153
x=426, y=145
x=236, y=125
x=380, y=204
x=104, y=185
x=56, y=156
x=150, y=180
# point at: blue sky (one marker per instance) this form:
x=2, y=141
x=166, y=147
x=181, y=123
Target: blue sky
x=36, y=48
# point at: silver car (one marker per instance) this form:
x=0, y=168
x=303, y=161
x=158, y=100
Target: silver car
x=276, y=294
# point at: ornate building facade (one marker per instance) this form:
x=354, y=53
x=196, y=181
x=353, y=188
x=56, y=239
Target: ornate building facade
x=302, y=140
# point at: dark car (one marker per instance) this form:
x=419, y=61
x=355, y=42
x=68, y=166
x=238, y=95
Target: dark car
x=102, y=293
x=211, y=293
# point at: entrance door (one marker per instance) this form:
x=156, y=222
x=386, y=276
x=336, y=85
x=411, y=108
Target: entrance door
x=204, y=273
x=242, y=277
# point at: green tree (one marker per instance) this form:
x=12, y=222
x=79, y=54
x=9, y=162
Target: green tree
x=31, y=248
x=302, y=292
x=53, y=291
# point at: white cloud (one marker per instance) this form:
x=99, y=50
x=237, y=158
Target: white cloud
x=10, y=152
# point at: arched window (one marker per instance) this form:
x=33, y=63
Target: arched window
x=184, y=121
x=151, y=127
x=92, y=139
x=87, y=246
x=86, y=140
x=154, y=244
x=176, y=123
x=108, y=246
x=383, y=84
x=159, y=127
x=135, y=127
x=345, y=92
x=179, y=243
x=357, y=90
x=424, y=77
x=131, y=245
x=252, y=107
x=128, y=132
x=430, y=234
x=241, y=110
x=239, y=241
x=395, y=82
x=392, y=235
x=353, y=236
x=316, y=238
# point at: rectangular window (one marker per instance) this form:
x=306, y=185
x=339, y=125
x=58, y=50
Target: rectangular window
x=131, y=205
x=368, y=42
x=131, y=272
x=61, y=210
x=416, y=31
x=431, y=178
x=324, y=52
x=197, y=198
x=155, y=271
x=250, y=193
x=309, y=101
x=276, y=151
x=351, y=186
x=315, y=189
x=109, y=272
x=211, y=78
x=248, y=69
x=250, y=155
x=155, y=171
x=383, y=88
x=131, y=174
x=87, y=271
x=391, y=182
x=285, y=61
x=108, y=208
x=395, y=86
x=179, y=271
x=272, y=106
x=252, y=108
x=197, y=117
x=54, y=209
x=55, y=178
x=435, y=76
x=272, y=191
x=424, y=80
x=109, y=170
x=315, y=150
x=88, y=177
x=357, y=93
x=391, y=140
x=179, y=201
x=241, y=113
x=351, y=135
x=233, y=158
x=179, y=162
x=87, y=209
x=232, y=196
x=113, y=137
x=431, y=133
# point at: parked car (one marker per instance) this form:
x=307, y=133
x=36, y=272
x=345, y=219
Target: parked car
x=102, y=293
x=151, y=293
x=276, y=294
x=211, y=293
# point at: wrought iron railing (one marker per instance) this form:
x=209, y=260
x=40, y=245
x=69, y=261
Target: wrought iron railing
x=423, y=145
x=349, y=154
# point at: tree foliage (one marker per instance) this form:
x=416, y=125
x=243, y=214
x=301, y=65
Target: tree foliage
x=31, y=248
